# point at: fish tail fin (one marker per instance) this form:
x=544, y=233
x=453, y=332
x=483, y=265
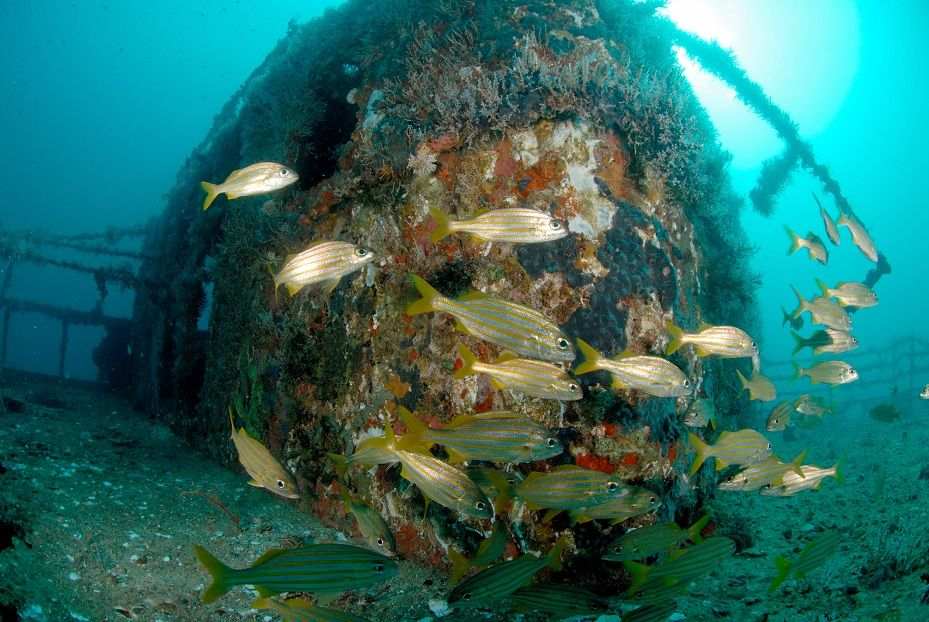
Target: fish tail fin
x=212, y=191
x=744, y=381
x=676, y=340
x=783, y=569
x=415, y=438
x=839, y=471
x=702, y=450
x=429, y=294
x=799, y=342
x=797, y=463
x=468, y=359
x=794, y=240
x=339, y=463
x=443, y=226
x=822, y=287
x=554, y=555
x=801, y=303
x=798, y=371
x=639, y=574
x=591, y=358
x=842, y=219
x=505, y=490
x=693, y=532
x=219, y=572
x=787, y=317
x=460, y=565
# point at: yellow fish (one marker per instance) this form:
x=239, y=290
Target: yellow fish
x=322, y=263
x=812, y=243
x=722, y=341
x=535, y=378
x=828, y=372
x=516, y=328
x=444, y=484
x=860, y=236
x=759, y=387
x=265, y=471
x=519, y=225
x=828, y=223
x=260, y=178
x=850, y=294
x=650, y=374
x=811, y=478
x=742, y=447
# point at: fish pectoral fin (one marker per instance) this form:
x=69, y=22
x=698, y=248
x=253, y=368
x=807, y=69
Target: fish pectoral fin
x=255, y=483
x=701, y=351
x=269, y=554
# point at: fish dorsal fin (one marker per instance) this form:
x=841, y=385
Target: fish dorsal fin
x=567, y=467
x=459, y=421
x=723, y=435
x=627, y=353
x=704, y=326
x=268, y=555
x=506, y=356
x=473, y=295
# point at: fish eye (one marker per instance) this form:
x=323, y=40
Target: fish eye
x=612, y=486
x=572, y=387
x=284, y=172
x=378, y=567
x=466, y=596
x=563, y=343
x=652, y=499
x=380, y=541
x=555, y=224
x=768, y=446
x=686, y=382
x=550, y=442
x=280, y=484
x=361, y=252
x=480, y=506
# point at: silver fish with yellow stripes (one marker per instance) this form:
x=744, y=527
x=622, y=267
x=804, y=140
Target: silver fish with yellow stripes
x=650, y=374
x=500, y=580
x=650, y=584
x=832, y=231
x=568, y=487
x=701, y=414
x=812, y=243
x=769, y=472
x=823, y=311
x=516, y=328
x=495, y=436
x=535, y=378
x=371, y=524
x=323, y=264
x=850, y=294
x=828, y=372
x=303, y=610
x=813, y=555
x=811, y=479
x=839, y=341
x=265, y=471
x=759, y=387
x=633, y=502
x=558, y=601
x=324, y=569
x=519, y=225
x=811, y=406
x=779, y=418
x=722, y=341
x=656, y=539
x=741, y=447
x=860, y=236
x=259, y=178
x=372, y=451
x=444, y=484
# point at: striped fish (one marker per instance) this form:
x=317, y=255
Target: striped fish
x=812, y=243
x=652, y=540
x=850, y=294
x=823, y=311
x=325, y=569
x=831, y=230
x=444, y=484
x=759, y=387
x=371, y=524
x=811, y=479
x=742, y=447
x=839, y=341
x=650, y=374
x=860, y=236
x=322, y=263
x=519, y=225
x=266, y=472
x=495, y=436
x=526, y=376
x=514, y=327
x=488, y=551
x=770, y=472
x=258, y=178
x=779, y=418
x=682, y=567
x=370, y=452
x=811, y=406
x=722, y=341
x=828, y=372
x=635, y=502
x=813, y=555
x=500, y=580
x=568, y=487
x=302, y=610
x=558, y=601
x=700, y=414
